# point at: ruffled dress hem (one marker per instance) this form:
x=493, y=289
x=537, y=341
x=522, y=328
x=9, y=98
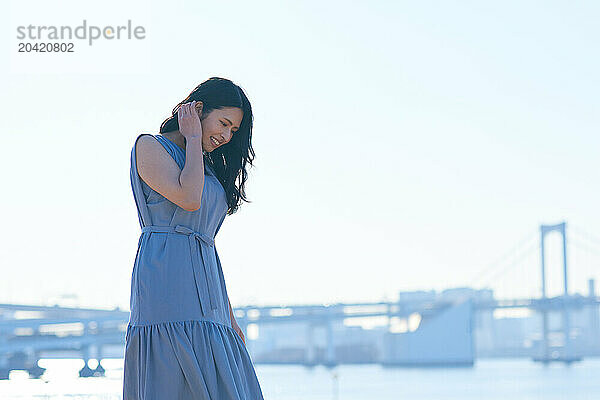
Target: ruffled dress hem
x=212, y=358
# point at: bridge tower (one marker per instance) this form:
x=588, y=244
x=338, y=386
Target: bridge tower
x=545, y=229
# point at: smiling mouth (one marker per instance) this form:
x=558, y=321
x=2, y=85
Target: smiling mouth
x=215, y=141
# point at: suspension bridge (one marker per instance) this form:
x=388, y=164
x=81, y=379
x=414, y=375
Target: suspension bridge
x=29, y=333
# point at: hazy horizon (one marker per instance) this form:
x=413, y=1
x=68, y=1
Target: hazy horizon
x=399, y=146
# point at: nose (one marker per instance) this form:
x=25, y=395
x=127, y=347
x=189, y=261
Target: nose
x=226, y=135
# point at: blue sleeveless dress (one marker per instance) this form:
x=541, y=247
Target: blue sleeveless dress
x=180, y=343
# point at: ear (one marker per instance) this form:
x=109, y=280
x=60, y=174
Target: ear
x=199, y=106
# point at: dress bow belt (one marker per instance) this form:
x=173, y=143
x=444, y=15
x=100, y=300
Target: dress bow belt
x=201, y=245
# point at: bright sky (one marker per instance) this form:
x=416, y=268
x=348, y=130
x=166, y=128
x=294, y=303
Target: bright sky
x=400, y=145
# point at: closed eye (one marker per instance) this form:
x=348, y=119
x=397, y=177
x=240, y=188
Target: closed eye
x=224, y=124
x=230, y=123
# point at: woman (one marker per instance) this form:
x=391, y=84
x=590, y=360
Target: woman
x=182, y=339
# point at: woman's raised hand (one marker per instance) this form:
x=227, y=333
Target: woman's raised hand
x=188, y=118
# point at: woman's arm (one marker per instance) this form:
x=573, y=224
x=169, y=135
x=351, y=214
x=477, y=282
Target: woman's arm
x=160, y=171
x=234, y=323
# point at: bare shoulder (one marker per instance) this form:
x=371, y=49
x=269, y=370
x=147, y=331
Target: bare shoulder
x=158, y=169
x=146, y=144
x=150, y=153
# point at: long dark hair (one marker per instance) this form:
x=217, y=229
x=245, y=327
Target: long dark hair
x=229, y=161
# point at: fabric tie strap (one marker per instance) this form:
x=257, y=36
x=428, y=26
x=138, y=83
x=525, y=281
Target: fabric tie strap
x=201, y=245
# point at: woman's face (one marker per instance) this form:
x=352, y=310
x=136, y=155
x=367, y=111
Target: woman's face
x=219, y=126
